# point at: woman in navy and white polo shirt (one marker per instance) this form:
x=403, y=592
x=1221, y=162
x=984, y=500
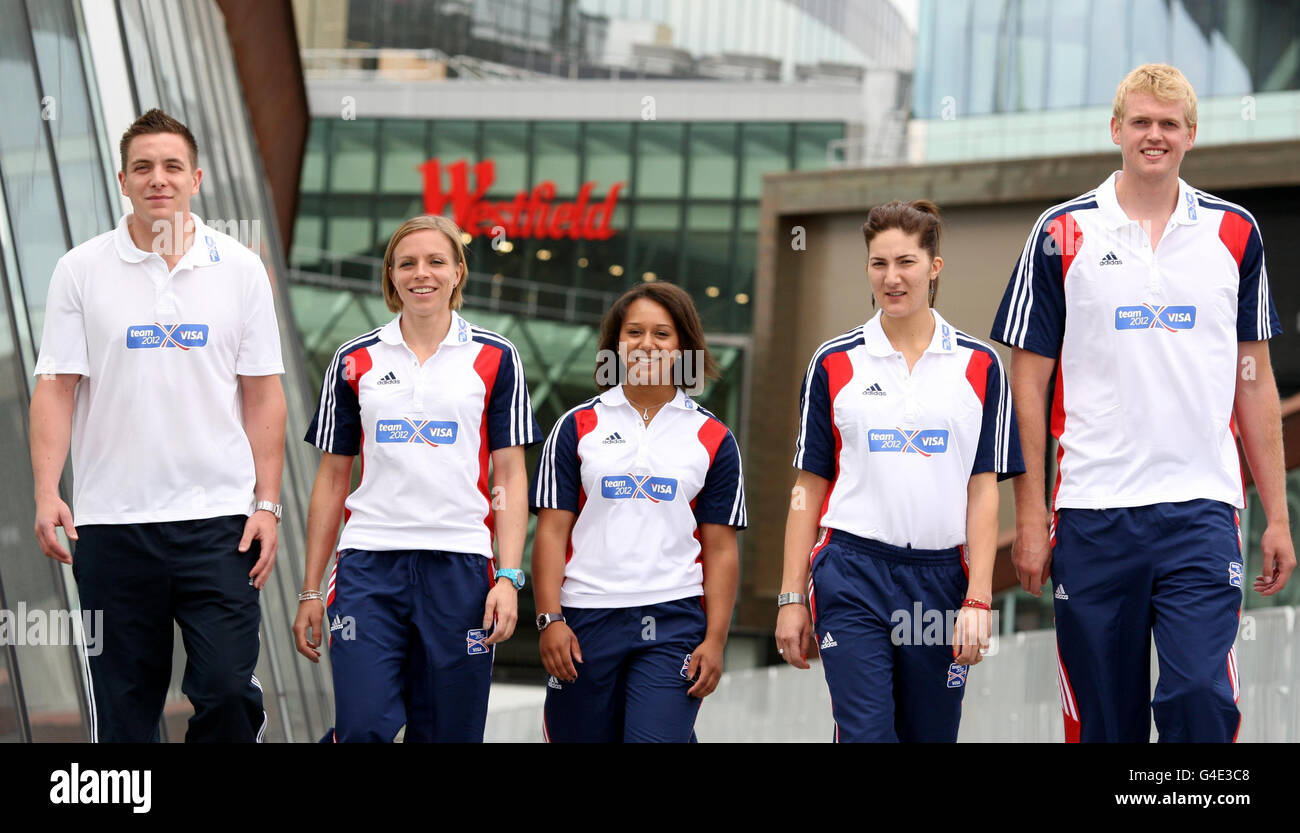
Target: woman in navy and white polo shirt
x=639, y=494
x=905, y=427
x=427, y=400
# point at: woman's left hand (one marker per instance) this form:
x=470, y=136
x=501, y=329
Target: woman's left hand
x=970, y=638
x=706, y=661
x=503, y=608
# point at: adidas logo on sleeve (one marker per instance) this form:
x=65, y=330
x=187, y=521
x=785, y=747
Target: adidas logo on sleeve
x=390, y=378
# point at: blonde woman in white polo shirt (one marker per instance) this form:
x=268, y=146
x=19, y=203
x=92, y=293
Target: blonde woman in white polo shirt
x=639, y=494
x=905, y=428
x=427, y=400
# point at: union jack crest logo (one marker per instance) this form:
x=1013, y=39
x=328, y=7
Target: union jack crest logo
x=474, y=639
x=957, y=675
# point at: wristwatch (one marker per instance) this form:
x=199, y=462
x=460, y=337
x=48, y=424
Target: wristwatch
x=789, y=599
x=273, y=508
x=544, y=619
x=516, y=577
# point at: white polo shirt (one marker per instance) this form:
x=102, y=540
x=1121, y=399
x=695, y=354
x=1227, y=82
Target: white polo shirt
x=640, y=493
x=1147, y=342
x=156, y=430
x=900, y=447
x=425, y=433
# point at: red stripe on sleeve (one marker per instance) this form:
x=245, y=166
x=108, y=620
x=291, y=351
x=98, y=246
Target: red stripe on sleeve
x=486, y=364
x=839, y=369
x=1069, y=240
x=355, y=365
x=977, y=372
x=711, y=434
x=1234, y=231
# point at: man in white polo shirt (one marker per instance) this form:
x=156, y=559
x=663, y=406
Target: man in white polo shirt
x=1148, y=300
x=159, y=363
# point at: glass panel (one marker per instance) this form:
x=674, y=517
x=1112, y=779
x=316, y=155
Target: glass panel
x=34, y=207
x=1027, y=81
x=555, y=156
x=1108, y=59
x=951, y=61
x=811, y=141
x=1190, y=44
x=709, y=260
x=659, y=160
x=506, y=144
x=713, y=161
x=1148, y=34
x=657, y=227
x=66, y=100
x=455, y=140
x=608, y=155
x=1068, y=57
x=313, y=162
x=988, y=56
x=352, y=158
x=402, y=144
x=765, y=149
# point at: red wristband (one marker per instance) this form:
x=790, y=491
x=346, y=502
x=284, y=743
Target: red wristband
x=974, y=603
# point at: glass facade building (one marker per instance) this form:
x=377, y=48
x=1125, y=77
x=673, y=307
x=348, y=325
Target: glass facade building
x=686, y=209
x=76, y=74
x=1012, y=78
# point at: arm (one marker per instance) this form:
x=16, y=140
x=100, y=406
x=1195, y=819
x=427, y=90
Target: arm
x=1031, y=553
x=264, y=411
x=510, y=508
x=328, y=494
x=1260, y=422
x=559, y=646
x=720, y=558
x=793, y=623
x=51, y=421
x=982, y=544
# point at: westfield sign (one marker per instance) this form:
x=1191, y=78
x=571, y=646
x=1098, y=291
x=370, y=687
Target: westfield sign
x=533, y=214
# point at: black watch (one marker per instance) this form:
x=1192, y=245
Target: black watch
x=544, y=619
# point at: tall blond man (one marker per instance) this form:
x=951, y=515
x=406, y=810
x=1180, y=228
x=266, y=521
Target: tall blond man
x=1147, y=300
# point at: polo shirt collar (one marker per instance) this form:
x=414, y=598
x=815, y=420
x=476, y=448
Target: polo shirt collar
x=457, y=334
x=205, y=249
x=878, y=344
x=1185, y=213
x=616, y=396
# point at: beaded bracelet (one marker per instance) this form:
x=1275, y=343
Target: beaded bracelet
x=308, y=595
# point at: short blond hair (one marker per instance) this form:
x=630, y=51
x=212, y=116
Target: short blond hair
x=425, y=222
x=1162, y=82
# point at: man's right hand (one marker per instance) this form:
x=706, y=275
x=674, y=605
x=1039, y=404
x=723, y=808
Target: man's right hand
x=52, y=512
x=1031, y=553
x=560, y=649
x=794, y=634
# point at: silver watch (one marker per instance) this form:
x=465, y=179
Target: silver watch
x=545, y=619
x=789, y=599
x=273, y=508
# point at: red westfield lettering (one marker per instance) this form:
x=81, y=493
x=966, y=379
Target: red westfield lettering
x=534, y=214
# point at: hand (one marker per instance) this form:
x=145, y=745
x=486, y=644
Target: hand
x=559, y=646
x=1279, y=560
x=261, y=525
x=52, y=512
x=503, y=608
x=311, y=614
x=794, y=634
x=970, y=637
x=1032, y=555
x=706, y=664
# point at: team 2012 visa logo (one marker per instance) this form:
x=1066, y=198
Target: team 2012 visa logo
x=923, y=441
x=638, y=487
x=417, y=431
x=1152, y=317
x=182, y=336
